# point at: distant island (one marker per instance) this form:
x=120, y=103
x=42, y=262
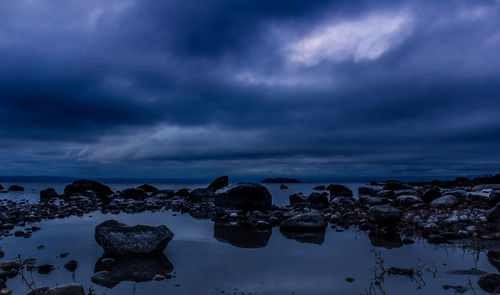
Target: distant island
x=281, y=180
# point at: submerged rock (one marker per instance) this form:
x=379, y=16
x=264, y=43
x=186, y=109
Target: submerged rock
x=120, y=239
x=70, y=289
x=304, y=222
x=490, y=282
x=110, y=272
x=244, y=196
x=242, y=236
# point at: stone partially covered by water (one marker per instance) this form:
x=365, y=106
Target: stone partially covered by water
x=120, y=239
x=110, y=271
x=242, y=236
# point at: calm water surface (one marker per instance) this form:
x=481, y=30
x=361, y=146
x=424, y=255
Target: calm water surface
x=205, y=261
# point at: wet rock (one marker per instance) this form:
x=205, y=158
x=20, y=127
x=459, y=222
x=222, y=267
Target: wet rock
x=71, y=265
x=48, y=194
x=467, y=272
x=386, y=194
x=385, y=215
x=318, y=200
x=394, y=185
x=436, y=239
x=494, y=259
x=447, y=201
x=81, y=186
x=490, y=282
x=134, y=194
x=494, y=198
x=132, y=269
x=201, y=194
x=344, y=201
x=319, y=188
x=409, y=272
x=45, y=269
x=349, y=280
x=39, y=291
x=148, y=188
x=408, y=200
x=283, y=186
x=494, y=214
x=299, y=200
x=120, y=239
x=218, y=183
x=69, y=289
x=371, y=201
x=457, y=289
x=16, y=188
x=241, y=236
x=244, y=196
x=431, y=194
x=8, y=265
x=304, y=222
x=337, y=190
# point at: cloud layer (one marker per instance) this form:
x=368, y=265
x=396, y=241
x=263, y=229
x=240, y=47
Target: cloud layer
x=301, y=88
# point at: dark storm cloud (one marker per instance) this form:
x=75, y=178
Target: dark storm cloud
x=249, y=87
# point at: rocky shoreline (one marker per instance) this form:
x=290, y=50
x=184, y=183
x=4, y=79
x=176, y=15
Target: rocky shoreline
x=393, y=213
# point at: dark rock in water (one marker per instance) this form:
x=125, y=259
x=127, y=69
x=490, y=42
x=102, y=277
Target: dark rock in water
x=304, y=223
x=8, y=265
x=494, y=259
x=299, y=200
x=201, y=194
x=490, y=282
x=70, y=289
x=457, y=289
x=447, y=201
x=318, y=200
x=394, y=185
x=16, y=188
x=218, y=183
x=337, y=190
x=385, y=215
x=1, y=187
x=436, y=239
x=244, y=196
x=388, y=240
x=39, y=291
x=310, y=237
x=71, y=265
x=319, y=188
x=82, y=185
x=281, y=180
x=409, y=272
x=48, y=194
x=120, y=239
x=431, y=194
x=134, y=194
x=148, y=188
x=494, y=198
x=467, y=272
x=494, y=214
x=349, y=280
x=109, y=273
x=45, y=268
x=242, y=236
x=283, y=186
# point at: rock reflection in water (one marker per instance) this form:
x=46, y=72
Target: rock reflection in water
x=242, y=236
x=134, y=269
x=311, y=237
x=386, y=240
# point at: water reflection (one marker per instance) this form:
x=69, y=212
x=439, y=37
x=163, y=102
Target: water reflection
x=386, y=240
x=134, y=269
x=311, y=237
x=242, y=236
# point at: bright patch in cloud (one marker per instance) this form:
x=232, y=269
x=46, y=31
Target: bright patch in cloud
x=360, y=39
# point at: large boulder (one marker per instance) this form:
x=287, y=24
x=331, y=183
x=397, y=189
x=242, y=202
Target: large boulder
x=134, y=193
x=69, y=289
x=304, y=222
x=16, y=188
x=385, y=215
x=490, y=282
x=318, y=200
x=119, y=239
x=448, y=201
x=431, y=194
x=218, y=183
x=48, y=194
x=244, y=196
x=201, y=194
x=338, y=190
x=81, y=186
x=148, y=188
x=494, y=214
x=299, y=200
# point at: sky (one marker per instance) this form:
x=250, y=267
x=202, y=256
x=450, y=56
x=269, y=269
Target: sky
x=142, y=88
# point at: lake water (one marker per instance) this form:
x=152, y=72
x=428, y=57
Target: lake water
x=205, y=259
